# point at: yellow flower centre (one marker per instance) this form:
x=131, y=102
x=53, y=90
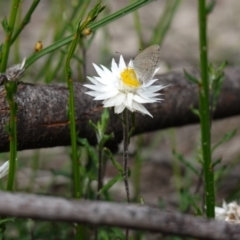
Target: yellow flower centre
x=129, y=78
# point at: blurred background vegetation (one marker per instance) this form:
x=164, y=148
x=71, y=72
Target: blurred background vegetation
x=165, y=168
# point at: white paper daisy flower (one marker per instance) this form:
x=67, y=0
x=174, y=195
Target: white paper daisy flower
x=128, y=86
x=229, y=212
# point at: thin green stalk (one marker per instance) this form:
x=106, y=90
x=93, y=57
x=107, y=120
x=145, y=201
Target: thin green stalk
x=75, y=163
x=80, y=232
x=100, y=183
x=125, y=125
x=93, y=26
x=11, y=88
x=25, y=20
x=74, y=154
x=16, y=47
x=125, y=152
x=137, y=170
x=100, y=171
x=138, y=26
x=205, y=113
x=9, y=31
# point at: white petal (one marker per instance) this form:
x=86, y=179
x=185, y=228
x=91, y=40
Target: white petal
x=107, y=71
x=130, y=65
x=220, y=213
x=115, y=101
x=4, y=169
x=148, y=95
x=140, y=108
x=155, y=88
x=129, y=100
x=151, y=94
x=101, y=88
x=120, y=99
x=100, y=72
x=146, y=85
x=93, y=80
x=140, y=99
x=114, y=66
x=92, y=93
x=122, y=64
x=106, y=95
x=119, y=109
x=156, y=70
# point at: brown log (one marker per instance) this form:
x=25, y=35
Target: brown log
x=130, y=216
x=42, y=118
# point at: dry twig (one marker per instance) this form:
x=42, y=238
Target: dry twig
x=131, y=216
x=43, y=120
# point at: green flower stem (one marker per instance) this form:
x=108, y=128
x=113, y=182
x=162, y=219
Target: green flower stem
x=125, y=158
x=205, y=113
x=100, y=172
x=25, y=21
x=75, y=162
x=137, y=169
x=9, y=32
x=100, y=183
x=125, y=152
x=93, y=26
x=77, y=192
x=11, y=88
x=74, y=154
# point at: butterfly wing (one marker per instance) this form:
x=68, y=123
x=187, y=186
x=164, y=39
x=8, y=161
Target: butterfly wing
x=146, y=63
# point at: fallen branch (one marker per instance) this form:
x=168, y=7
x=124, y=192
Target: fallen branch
x=130, y=216
x=43, y=119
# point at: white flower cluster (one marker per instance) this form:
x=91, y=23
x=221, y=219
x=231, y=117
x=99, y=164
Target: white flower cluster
x=228, y=212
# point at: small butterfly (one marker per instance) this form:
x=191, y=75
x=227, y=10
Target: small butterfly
x=146, y=63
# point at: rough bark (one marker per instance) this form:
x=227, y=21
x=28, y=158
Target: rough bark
x=42, y=119
x=130, y=216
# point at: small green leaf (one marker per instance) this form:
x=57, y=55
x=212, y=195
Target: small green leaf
x=186, y=163
x=114, y=162
x=191, y=78
x=216, y=162
x=5, y=26
x=104, y=119
x=227, y=136
x=210, y=6
x=220, y=173
x=90, y=149
x=195, y=111
x=7, y=220
x=223, y=65
x=141, y=200
x=105, y=139
x=7, y=128
x=93, y=125
x=110, y=183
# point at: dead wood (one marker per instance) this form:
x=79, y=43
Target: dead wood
x=130, y=216
x=42, y=119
